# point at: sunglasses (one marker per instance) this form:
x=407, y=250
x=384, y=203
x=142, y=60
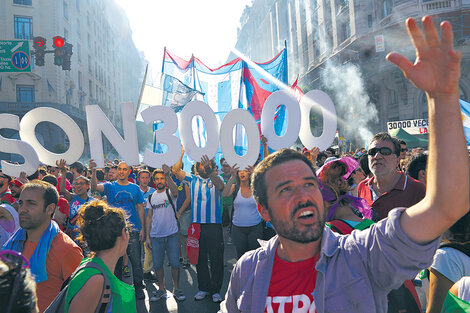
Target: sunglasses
x=383, y=151
x=3, y=176
x=404, y=150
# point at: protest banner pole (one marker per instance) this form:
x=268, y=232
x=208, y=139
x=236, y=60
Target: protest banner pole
x=142, y=90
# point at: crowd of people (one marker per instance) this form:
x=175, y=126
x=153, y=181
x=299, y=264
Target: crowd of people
x=104, y=233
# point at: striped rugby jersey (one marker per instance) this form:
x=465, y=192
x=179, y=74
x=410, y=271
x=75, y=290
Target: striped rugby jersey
x=205, y=201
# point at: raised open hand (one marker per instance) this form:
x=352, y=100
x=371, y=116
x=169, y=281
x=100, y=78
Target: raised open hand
x=166, y=169
x=92, y=164
x=61, y=165
x=206, y=163
x=436, y=69
x=234, y=169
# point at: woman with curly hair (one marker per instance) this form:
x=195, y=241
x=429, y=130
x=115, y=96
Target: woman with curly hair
x=105, y=232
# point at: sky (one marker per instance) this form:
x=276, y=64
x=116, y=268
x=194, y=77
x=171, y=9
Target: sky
x=205, y=28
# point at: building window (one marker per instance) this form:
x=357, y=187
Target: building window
x=23, y=27
x=66, y=34
x=90, y=88
x=23, y=2
x=79, y=80
x=77, y=3
x=66, y=11
x=24, y=94
x=386, y=8
x=79, y=53
x=78, y=27
x=89, y=63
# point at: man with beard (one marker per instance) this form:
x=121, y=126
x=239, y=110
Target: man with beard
x=127, y=196
x=308, y=268
x=206, y=189
x=15, y=188
x=162, y=234
x=53, y=256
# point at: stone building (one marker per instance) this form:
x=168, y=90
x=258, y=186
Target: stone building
x=339, y=46
x=106, y=67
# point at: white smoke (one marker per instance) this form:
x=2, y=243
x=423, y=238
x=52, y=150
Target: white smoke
x=353, y=105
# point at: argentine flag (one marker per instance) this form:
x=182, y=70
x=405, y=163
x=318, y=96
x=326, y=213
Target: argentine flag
x=465, y=109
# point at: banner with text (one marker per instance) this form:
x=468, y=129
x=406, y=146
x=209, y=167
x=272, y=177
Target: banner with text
x=412, y=127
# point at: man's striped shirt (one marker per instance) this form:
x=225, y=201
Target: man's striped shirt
x=205, y=201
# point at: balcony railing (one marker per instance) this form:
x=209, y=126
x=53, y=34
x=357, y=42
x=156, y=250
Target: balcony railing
x=439, y=4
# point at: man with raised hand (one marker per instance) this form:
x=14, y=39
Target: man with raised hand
x=128, y=196
x=306, y=265
x=206, y=189
x=81, y=185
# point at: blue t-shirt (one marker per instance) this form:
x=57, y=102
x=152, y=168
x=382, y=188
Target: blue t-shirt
x=181, y=193
x=125, y=197
x=148, y=193
x=75, y=205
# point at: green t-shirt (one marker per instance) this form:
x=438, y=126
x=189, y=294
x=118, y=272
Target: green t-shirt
x=453, y=304
x=122, y=294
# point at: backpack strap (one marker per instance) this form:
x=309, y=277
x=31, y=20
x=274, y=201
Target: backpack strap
x=462, y=248
x=340, y=226
x=170, y=200
x=105, y=298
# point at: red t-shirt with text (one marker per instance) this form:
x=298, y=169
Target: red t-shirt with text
x=291, y=286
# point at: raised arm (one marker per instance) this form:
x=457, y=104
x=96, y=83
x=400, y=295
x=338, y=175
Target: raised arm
x=218, y=183
x=229, y=186
x=186, y=202
x=178, y=167
x=63, y=170
x=437, y=71
x=171, y=183
x=264, y=142
x=94, y=182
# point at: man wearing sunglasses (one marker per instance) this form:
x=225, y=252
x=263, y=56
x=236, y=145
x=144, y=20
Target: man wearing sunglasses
x=388, y=188
x=308, y=268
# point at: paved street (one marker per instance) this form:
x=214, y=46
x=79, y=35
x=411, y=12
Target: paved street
x=188, y=283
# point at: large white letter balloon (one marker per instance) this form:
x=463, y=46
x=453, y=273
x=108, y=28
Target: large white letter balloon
x=66, y=123
x=165, y=135
x=202, y=109
x=99, y=124
x=281, y=97
x=320, y=102
x=234, y=117
x=31, y=160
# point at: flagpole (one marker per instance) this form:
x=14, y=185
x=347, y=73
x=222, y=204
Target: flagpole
x=142, y=90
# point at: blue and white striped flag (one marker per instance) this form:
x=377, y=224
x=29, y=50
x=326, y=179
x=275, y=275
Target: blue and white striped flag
x=465, y=109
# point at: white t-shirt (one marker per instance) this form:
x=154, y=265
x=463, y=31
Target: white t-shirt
x=464, y=289
x=451, y=263
x=164, y=221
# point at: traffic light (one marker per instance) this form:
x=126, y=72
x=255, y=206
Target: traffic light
x=39, y=45
x=67, y=54
x=58, y=46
